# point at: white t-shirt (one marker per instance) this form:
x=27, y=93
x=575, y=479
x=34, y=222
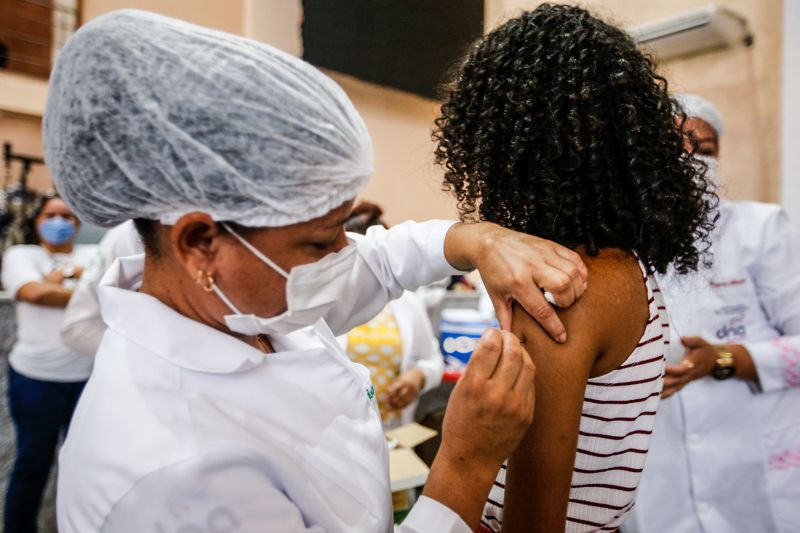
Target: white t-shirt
x=39, y=352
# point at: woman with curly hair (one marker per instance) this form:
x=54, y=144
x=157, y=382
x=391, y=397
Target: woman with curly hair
x=559, y=127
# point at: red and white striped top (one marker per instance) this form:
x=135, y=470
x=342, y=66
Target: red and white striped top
x=617, y=420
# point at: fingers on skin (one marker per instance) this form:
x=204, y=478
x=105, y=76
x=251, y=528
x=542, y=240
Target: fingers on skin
x=503, y=310
x=576, y=280
x=575, y=259
x=560, y=285
x=511, y=362
x=486, y=356
x=526, y=376
x=537, y=306
x=678, y=371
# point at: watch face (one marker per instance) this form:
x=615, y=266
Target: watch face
x=723, y=372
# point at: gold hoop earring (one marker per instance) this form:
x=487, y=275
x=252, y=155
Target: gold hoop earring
x=208, y=286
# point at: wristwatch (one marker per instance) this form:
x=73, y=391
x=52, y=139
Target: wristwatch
x=725, y=367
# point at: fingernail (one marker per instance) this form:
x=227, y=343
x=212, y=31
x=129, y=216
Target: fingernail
x=562, y=338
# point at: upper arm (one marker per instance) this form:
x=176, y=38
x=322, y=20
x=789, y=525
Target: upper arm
x=19, y=270
x=540, y=470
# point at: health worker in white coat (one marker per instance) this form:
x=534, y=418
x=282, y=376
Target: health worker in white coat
x=725, y=454
x=220, y=399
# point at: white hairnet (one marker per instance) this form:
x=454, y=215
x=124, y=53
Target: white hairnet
x=152, y=117
x=698, y=107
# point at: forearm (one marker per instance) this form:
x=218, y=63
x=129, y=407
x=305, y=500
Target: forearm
x=461, y=484
x=56, y=297
x=465, y=243
x=45, y=293
x=745, y=366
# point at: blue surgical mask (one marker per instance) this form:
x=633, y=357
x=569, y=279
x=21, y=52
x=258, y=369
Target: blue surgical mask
x=57, y=230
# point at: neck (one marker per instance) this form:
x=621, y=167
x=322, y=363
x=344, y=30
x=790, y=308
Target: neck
x=65, y=248
x=173, y=288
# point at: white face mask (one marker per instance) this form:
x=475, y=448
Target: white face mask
x=311, y=291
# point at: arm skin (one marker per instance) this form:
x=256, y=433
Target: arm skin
x=44, y=293
x=604, y=326
x=514, y=266
x=745, y=367
x=700, y=360
x=489, y=411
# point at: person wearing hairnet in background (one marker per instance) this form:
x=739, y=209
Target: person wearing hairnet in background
x=220, y=399
x=725, y=454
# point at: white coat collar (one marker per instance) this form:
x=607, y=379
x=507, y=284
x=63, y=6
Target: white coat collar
x=145, y=321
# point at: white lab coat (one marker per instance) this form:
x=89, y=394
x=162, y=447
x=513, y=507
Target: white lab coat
x=725, y=456
x=184, y=428
x=420, y=346
x=82, y=328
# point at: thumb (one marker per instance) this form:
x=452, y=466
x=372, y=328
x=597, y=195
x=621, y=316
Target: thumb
x=693, y=342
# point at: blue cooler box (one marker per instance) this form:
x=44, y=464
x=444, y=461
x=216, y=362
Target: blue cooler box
x=459, y=331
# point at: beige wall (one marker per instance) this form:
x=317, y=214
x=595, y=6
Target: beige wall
x=22, y=94
x=743, y=82
x=406, y=183
x=275, y=22
x=225, y=15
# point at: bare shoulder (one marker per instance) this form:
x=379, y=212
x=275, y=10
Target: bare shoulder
x=605, y=325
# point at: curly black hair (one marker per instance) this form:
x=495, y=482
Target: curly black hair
x=558, y=126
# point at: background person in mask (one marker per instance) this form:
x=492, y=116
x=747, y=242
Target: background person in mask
x=725, y=454
x=45, y=377
x=220, y=399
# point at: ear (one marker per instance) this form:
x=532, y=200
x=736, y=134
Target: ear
x=192, y=242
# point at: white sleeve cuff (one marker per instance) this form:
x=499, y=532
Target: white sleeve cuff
x=430, y=516
x=777, y=362
x=435, y=247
